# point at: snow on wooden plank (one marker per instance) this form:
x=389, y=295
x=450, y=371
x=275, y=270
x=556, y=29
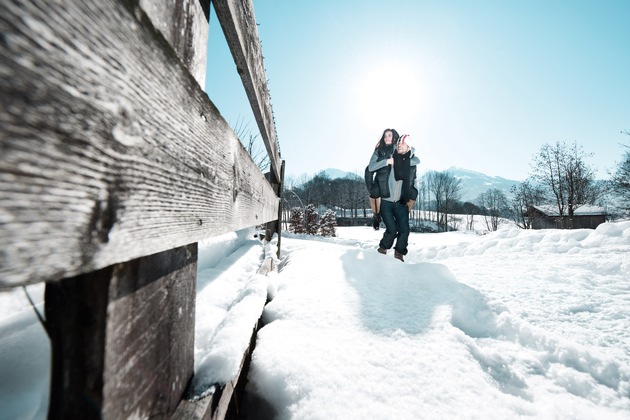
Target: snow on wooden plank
x=222, y=401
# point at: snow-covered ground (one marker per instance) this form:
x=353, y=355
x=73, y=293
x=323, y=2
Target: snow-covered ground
x=513, y=323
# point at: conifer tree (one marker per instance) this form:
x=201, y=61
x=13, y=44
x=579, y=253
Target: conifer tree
x=327, y=224
x=310, y=220
x=296, y=222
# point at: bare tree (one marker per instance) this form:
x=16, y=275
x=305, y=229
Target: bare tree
x=342, y=194
x=446, y=189
x=452, y=194
x=316, y=190
x=257, y=152
x=563, y=169
x=526, y=195
x=494, y=205
x=620, y=179
x=548, y=171
x=469, y=209
x=424, y=195
x=252, y=143
x=432, y=189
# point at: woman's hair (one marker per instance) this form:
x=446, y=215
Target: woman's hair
x=381, y=143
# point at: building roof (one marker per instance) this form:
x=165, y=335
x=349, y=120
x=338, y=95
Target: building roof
x=585, y=210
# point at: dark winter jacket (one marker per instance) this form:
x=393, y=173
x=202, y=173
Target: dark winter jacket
x=402, y=172
x=378, y=182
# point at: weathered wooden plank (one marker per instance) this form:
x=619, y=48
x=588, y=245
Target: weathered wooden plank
x=184, y=24
x=239, y=26
x=193, y=410
x=150, y=334
x=162, y=362
x=109, y=149
x=217, y=405
x=121, y=338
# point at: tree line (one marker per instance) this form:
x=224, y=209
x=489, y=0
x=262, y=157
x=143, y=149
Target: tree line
x=561, y=176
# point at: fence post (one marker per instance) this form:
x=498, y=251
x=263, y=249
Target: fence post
x=123, y=338
x=276, y=225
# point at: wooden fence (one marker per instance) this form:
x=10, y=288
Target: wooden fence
x=114, y=164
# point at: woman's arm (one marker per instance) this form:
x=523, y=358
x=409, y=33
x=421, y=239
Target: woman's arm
x=376, y=164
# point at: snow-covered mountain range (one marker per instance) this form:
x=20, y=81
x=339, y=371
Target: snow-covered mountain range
x=476, y=183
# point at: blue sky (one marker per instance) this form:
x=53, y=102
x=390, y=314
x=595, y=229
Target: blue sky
x=480, y=85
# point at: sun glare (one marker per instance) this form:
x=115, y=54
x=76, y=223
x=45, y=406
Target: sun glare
x=389, y=96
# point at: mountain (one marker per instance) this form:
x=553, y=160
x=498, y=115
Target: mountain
x=476, y=183
x=331, y=173
x=336, y=173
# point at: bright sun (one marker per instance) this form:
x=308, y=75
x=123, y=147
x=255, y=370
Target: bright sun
x=389, y=96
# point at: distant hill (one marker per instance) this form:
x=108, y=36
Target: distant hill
x=332, y=173
x=473, y=183
x=336, y=173
x=476, y=183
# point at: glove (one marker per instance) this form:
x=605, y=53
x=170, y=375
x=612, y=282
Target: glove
x=410, y=204
x=376, y=221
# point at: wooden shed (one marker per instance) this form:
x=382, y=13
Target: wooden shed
x=548, y=217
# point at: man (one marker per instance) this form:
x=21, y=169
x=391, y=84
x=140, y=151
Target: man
x=395, y=168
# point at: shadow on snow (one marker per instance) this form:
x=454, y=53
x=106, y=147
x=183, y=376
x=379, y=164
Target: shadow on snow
x=396, y=296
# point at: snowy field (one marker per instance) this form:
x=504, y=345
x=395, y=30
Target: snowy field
x=515, y=323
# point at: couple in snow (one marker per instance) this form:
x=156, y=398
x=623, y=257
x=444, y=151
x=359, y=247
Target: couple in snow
x=390, y=178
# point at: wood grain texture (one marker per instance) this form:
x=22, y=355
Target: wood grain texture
x=184, y=24
x=109, y=149
x=123, y=337
x=239, y=26
x=150, y=334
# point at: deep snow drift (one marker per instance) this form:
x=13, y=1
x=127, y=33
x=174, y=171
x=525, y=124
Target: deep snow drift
x=512, y=323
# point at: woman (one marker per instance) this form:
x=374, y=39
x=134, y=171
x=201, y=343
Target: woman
x=376, y=181
x=394, y=165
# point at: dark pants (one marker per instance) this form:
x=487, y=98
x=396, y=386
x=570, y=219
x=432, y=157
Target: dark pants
x=396, y=219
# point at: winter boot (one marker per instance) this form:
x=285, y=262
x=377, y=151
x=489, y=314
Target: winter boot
x=375, y=203
x=398, y=256
x=382, y=250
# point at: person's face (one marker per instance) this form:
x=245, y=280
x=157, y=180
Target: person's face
x=389, y=137
x=402, y=148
